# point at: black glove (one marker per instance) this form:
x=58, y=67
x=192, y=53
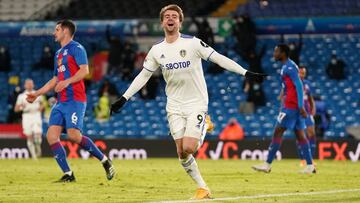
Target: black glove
x=257, y=77
x=116, y=106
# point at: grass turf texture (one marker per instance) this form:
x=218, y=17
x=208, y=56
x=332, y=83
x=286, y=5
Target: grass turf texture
x=165, y=179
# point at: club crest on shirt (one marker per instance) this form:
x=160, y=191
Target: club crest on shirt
x=182, y=53
x=59, y=62
x=204, y=44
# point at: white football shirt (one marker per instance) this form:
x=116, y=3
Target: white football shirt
x=180, y=63
x=30, y=110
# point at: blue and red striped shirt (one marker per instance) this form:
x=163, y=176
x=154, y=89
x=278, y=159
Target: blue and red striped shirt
x=307, y=95
x=292, y=85
x=67, y=62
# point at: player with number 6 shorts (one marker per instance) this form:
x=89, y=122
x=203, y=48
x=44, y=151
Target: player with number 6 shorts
x=70, y=68
x=179, y=57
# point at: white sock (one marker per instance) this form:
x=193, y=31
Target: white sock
x=37, y=141
x=104, y=159
x=38, y=150
x=68, y=173
x=191, y=168
x=31, y=147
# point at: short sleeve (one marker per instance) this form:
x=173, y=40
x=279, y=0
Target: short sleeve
x=150, y=62
x=19, y=99
x=80, y=55
x=203, y=50
x=292, y=72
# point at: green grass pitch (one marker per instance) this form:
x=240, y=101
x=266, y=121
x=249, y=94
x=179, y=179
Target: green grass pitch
x=164, y=179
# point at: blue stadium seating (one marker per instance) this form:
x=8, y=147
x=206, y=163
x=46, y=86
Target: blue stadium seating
x=286, y=8
x=147, y=119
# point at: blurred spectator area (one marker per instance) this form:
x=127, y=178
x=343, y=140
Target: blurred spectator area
x=299, y=8
x=15, y=10
x=115, y=9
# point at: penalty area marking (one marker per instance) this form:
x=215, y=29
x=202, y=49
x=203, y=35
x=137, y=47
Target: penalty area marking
x=264, y=196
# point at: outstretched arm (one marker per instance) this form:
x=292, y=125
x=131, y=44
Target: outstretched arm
x=227, y=63
x=140, y=80
x=231, y=65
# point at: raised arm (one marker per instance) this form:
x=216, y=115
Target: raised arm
x=205, y=52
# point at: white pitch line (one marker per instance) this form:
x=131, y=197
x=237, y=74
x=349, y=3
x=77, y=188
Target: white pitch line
x=264, y=196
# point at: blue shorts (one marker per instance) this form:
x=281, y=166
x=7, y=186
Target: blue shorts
x=309, y=121
x=68, y=114
x=290, y=119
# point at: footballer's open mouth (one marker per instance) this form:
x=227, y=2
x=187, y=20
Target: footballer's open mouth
x=170, y=24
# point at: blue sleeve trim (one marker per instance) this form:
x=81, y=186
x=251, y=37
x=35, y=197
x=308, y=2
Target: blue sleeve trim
x=159, y=42
x=148, y=70
x=186, y=36
x=210, y=55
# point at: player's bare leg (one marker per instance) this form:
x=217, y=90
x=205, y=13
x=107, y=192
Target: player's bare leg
x=273, y=148
x=87, y=144
x=186, y=147
x=37, y=142
x=305, y=149
x=31, y=146
x=53, y=138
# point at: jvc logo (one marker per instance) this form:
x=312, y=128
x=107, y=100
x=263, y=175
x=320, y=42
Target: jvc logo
x=61, y=69
x=230, y=150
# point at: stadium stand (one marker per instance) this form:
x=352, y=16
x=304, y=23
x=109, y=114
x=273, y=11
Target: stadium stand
x=109, y=9
x=15, y=10
x=224, y=89
x=285, y=8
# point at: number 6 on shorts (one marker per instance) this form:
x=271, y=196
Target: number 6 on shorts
x=281, y=116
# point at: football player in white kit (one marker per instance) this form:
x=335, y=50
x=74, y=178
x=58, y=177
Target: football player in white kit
x=179, y=58
x=31, y=119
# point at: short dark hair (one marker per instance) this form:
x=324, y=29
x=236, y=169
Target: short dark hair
x=302, y=67
x=69, y=24
x=284, y=48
